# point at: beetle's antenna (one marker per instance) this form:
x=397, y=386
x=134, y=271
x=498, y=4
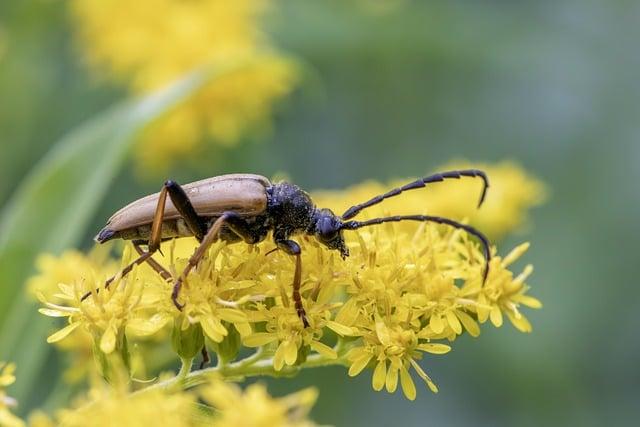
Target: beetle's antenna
x=353, y=225
x=420, y=183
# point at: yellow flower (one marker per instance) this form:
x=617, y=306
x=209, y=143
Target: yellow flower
x=503, y=294
x=7, y=377
x=107, y=406
x=69, y=267
x=393, y=349
x=150, y=43
x=106, y=314
x=255, y=408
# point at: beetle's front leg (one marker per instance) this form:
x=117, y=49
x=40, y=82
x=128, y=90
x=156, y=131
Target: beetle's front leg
x=293, y=248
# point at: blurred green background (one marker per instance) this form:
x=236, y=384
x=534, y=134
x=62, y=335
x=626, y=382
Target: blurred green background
x=399, y=88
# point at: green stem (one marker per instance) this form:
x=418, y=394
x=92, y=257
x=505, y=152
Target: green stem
x=184, y=370
x=251, y=366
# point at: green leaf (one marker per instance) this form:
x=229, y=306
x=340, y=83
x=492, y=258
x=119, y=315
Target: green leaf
x=51, y=210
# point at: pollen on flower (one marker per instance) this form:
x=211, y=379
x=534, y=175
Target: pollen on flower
x=147, y=44
x=388, y=308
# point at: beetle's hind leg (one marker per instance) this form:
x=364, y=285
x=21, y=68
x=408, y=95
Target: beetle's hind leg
x=187, y=212
x=236, y=224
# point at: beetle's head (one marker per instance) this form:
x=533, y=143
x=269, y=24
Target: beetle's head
x=327, y=228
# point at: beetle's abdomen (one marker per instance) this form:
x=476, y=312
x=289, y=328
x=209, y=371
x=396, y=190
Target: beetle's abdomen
x=171, y=228
x=244, y=194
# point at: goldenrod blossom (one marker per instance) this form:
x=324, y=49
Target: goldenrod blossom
x=404, y=289
x=107, y=406
x=150, y=43
x=254, y=407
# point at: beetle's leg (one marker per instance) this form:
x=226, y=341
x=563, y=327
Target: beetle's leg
x=235, y=223
x=208, y=239
x=205, y=357
x=293, y=248
x=152, y=262
x=142, y=258
x=187, y=211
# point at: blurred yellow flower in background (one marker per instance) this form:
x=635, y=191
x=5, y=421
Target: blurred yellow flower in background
x=7, y=377
x=253, y=407
x=148, y=44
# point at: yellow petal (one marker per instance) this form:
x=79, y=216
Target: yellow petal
x=339, y=328
x=359, y=364
x=244, y=328
x=469, y=323
x=108, y=340
x=408, y=387
x=496, y=316
x=382, y=331
x=527, y=300
x=391, y=382
x=323, y=349
x=62, y=333
x=434, y=348
x=520, y=322
x=379, y=375
x=278, y=358
x=348, y=312
x=231, y=315
x=453, y=321
x=259, y=339
x=146, y=327
x=54, y=313
x=436, y=324
x=515, y=254
x=290, y=352
x=213, y=329
x=483, y=309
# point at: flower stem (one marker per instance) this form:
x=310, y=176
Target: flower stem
x=252, y=366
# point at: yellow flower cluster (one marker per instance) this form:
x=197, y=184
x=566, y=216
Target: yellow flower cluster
x=224, y=405
x=7, y=377
x=404, y=289
x=147, y=44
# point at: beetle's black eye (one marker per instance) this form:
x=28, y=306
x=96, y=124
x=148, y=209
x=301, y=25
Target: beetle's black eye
x=327, y=228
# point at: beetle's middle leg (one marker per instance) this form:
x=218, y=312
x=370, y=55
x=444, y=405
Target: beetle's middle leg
x=187, y=212
x=293, y=248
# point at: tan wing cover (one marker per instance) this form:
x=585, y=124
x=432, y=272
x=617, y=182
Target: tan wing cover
x=241, y=193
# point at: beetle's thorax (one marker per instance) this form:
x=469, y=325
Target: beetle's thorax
x=290, y=209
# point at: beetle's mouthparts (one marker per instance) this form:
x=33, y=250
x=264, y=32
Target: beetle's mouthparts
x=104, y=235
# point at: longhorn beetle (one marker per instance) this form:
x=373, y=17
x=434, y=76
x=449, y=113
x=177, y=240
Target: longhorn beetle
x=246, y=207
